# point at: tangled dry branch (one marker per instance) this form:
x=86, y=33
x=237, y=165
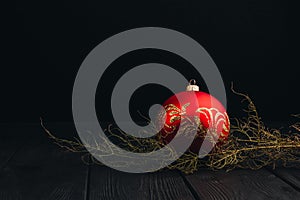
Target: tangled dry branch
x=250, y=145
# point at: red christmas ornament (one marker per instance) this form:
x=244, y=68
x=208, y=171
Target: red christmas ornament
x=213, y=119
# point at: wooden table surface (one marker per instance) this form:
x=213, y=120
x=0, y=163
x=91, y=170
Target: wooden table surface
x=33, y=168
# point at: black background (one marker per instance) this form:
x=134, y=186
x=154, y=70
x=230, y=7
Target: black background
x=251, y=41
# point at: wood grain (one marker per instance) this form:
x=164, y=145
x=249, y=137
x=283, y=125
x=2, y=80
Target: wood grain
x=110, y=184
x=7, y=151
x=240, y=184
x=42, y=170
x=289, y=175
x=9, y=144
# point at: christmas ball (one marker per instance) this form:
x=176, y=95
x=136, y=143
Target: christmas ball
x=196, y=107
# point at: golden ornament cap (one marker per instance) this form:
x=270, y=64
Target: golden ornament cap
x=192, y=86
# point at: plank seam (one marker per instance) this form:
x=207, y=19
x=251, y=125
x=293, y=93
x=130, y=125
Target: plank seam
x=190, y=186
x=87, y=180
x=284, y=180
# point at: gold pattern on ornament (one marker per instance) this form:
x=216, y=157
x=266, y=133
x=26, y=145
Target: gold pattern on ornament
x=171, y=107
x=213, y=116
x=175, y=115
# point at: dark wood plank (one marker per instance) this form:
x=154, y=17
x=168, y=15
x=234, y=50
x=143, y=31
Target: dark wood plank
x=240, y=184
x=42, y=170
x=289, y=175
x=7, y=151
x=9, y=142
x=106, y=183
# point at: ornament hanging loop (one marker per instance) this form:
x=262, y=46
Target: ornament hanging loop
x=192, y=86
x=192, y=82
